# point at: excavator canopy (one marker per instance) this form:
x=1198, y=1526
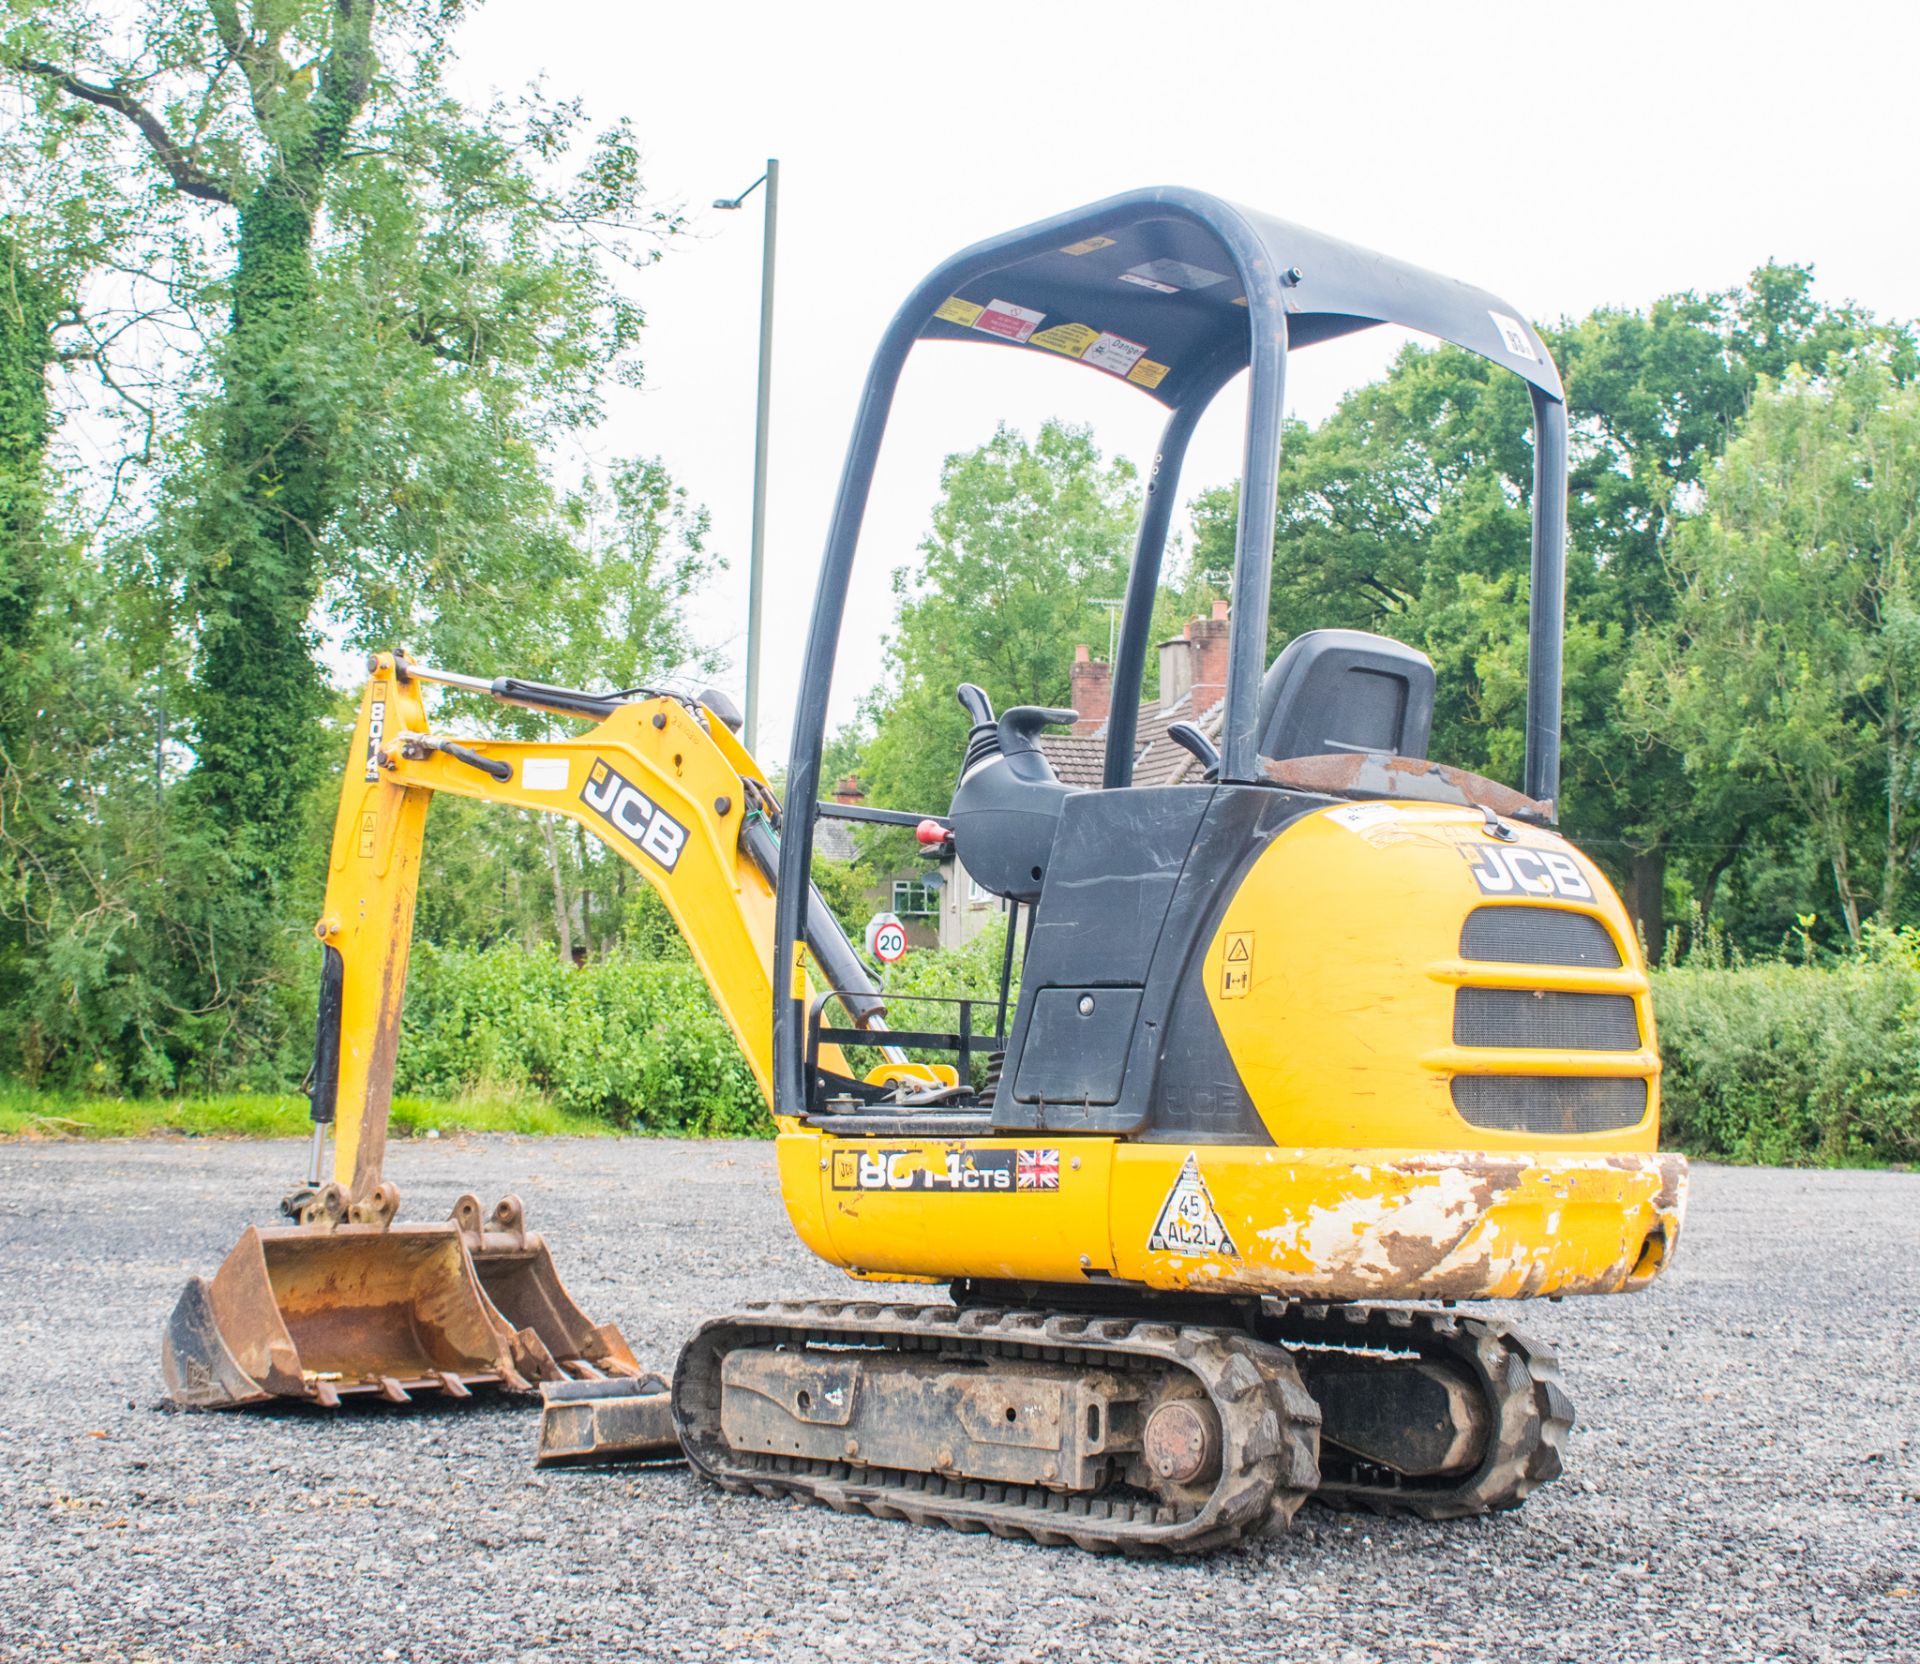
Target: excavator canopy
x=1175, y=292
x=1156, y=296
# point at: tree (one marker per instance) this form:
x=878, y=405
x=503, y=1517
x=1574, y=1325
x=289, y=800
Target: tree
x=397, y=308
x=274, y=116
x=1406, y=511
x=1796, y=661
x=1025, y=538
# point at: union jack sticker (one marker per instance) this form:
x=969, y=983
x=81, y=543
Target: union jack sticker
x=1037, y=1170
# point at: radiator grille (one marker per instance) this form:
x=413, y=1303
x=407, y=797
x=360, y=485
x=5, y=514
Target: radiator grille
x=1540, y=1019
x=1556, y=1105
x=1537, y=936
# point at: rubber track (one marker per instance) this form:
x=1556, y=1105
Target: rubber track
x=1270, y=1427
x=1530, y=1413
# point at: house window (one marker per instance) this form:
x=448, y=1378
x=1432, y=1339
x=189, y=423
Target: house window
x=913, y=899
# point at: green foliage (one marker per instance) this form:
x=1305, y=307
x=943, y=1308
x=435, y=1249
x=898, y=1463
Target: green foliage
x=1406, y=511
x=1794, y=1063
x=1025, y=537
x=634, y=1042
x=1799, y=626
x=43, y=1114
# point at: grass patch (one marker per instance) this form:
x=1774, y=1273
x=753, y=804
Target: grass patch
x=29, y=1114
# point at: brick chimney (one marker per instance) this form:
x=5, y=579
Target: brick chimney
x=1208, y=643
x=847, y=790
x=1092, y=690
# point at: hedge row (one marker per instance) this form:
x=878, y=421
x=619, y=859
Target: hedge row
x=637, y=1042
x=1764, y=1062
x=1789, y=1063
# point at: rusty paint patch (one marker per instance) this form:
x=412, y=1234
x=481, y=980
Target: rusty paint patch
x=1377, y=774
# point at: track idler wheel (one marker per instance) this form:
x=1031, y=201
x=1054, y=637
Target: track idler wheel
x=1464, y=1415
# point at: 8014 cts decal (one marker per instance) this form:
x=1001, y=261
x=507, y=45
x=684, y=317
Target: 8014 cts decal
x=967, y=1172
x=629, y=810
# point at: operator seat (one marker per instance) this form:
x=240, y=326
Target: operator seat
x=1346, y=690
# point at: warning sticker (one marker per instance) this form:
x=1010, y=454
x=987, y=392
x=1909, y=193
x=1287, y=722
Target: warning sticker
x=1188, y=1223
x=1147, y=373
x=1171, y=276
x=1071, y=339
x=544, y=774
x=1362, y=817
x=1088, y=245
x=1115, y=353
x=1514, y=337
x=1239, y=300
x=1002, y=317
x=1236, y=970
x=958, y=311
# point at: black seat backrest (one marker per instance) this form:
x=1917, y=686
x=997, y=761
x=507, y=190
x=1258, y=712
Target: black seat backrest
x=1346, y=690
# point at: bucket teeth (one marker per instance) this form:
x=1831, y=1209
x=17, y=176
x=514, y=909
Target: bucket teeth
x=324, y=1311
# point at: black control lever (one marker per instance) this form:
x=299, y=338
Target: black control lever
x=975, y=703
x=1190, y=739
x=1020, y=727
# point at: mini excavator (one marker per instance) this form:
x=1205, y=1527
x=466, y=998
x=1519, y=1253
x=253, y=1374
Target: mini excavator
x=1303, y=1054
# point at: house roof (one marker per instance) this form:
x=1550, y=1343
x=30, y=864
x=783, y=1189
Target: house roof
x=833, y=839
x=1080, y=759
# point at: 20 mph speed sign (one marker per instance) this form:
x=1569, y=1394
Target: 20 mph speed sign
x=886, y=938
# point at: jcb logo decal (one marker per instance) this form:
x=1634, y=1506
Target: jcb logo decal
x=1534, y=872
x=624, y=806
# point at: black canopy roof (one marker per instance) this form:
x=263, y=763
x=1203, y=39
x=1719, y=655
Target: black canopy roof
x=1157, y=295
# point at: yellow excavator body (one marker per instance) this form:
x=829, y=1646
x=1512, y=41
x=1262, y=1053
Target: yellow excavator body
x=1335, y=976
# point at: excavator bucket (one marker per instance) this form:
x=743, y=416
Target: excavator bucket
x=323, y=1311
x=554, y=1339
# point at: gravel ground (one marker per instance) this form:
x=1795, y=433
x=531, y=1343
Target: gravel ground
x=1714, y=1509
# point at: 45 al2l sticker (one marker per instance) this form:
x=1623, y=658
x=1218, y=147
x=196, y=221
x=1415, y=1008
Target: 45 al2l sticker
x=1533, y=872
x=1189, y=1224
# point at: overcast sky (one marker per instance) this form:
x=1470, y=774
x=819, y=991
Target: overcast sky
x=1564, y=156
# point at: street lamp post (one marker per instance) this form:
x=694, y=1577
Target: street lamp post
x=756, y=559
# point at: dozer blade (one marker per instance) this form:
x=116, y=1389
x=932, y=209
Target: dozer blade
x=317, y=1312
x=604, y=1423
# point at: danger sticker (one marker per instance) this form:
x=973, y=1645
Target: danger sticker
x=1003, y=317
x=1071, y=339
x=1088, y=245
x=1189, y=1224
x=1147, y=373
x=1115, y=353
x=957, y=311
x=1236, y=968
x=1514, y=337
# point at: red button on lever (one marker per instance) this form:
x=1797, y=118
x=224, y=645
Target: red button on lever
x=930, y=831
